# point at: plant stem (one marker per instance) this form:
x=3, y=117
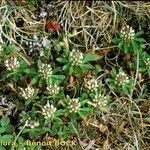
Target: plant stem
x=136, y=75
x=18, y=136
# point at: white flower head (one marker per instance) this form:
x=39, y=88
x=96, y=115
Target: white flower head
x=31, y=123
x=75, y=57
x=147, y=62
x=122, y=78
x=91, y=84
x=12, y=64
x=27, y=92
x=74, y=105
x=100, y=101
x=45, y=71
x=53, y=89
x=127, y=33
x=48, y=110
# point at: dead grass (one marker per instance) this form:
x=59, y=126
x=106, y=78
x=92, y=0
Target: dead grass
x=99, y=20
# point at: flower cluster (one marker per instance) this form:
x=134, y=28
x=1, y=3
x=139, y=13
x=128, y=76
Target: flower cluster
x=147, y=62
x=48, y=110
x=37, y=44
x=75, y=57
x=53, y=89
x=100, y=101
x=27, y=92
x=12, y=64
x=122, y=78
x=127, y=33
x=74, y=105
x=45, y=71
x=46, y=10
x=7, y=105
x=31, y=123
x=43, y=13
x=91, y=85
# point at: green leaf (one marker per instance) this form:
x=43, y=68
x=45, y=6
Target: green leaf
x=58, y=120
x=125, y=89
x=84, y=112
x=135, y=46
x=33, y=134
x=71, y=70
x=31, y=71
x=138, y=33
x=65, y=67
x=120, y=69
x=120, y=44
x=62, y=60
x=117, y=40
x=10, y=74
x=2, y=148
x=58, y=77
x=63, y=133
x=47, y=52
x=84, y=96
x=125, y=47
x=8, y=48
x=34, y=80
x=84, y=101
x=114, y=72
x=141, y=40
x=15, y=74
x=23, y=64
x=9, y=128
x=4, y=121
x=6, y=138
x=55, y=127
x=59, y=112
x=72, y=128
x=25, y=130
x=28, y=101
x=90, y=57
x=39, y=63
x=33, y=112
x=86, y=66
x=57, y=69
x=97, y=69
x=2, y=130
x=58, y=47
